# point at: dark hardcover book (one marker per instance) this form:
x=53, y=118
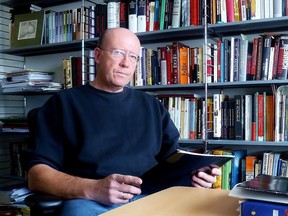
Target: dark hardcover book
x=282, y=68
x=124, y=15
x=231, y=119
x=249, y=62
x=224, y=120
x=177, y=169
x=226, y=60
x=239, y=117
x=259, y=59
x=264, y=188
x=199, y=118
x=267, y=42
x=250, y=207
x=156, y=77
x=239, y=155
x=236, y=59
x=254, y=58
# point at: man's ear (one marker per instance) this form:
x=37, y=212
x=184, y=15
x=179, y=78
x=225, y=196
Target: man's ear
x=97, y=53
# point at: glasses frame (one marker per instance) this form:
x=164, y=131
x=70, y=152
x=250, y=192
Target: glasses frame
x=123, y=54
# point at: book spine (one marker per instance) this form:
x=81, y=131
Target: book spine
x=282, y=68
x=267, y=41
x=176, y=14
x=239, y=117
x=141, y=16
x=132, y=16
x=248, y=117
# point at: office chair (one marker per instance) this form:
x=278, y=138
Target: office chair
x=40, y=204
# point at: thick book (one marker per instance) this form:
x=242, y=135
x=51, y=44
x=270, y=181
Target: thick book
x=264, y=188
x=250, y=207
x=177, y=169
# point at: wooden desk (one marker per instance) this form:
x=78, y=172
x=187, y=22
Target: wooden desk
x=181, y=201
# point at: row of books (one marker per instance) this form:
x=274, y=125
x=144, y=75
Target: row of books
x=244, y=167
x=144, y=15
x=251, y=117
x=72, y=70
x=29, y=81
x=230, y=60
x=58, y=26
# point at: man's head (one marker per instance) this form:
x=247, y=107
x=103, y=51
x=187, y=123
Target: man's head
x=116, y=57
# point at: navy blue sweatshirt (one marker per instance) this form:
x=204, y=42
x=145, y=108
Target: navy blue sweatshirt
x=90, y=133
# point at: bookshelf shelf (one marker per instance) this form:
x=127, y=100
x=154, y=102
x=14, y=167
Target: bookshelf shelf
x=247, y=84
x=250, y=26
x=247, y=143
x=170, y=87
x=44, y=49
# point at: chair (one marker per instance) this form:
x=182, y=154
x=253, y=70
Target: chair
x=40, y=204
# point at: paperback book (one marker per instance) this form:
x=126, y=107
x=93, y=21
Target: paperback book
x=178, y=169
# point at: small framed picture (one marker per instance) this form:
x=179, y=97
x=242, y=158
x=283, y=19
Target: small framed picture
x=27, y=29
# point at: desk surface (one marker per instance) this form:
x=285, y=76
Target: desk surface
x=181, y=201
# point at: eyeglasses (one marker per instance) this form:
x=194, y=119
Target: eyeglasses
x=120, y=54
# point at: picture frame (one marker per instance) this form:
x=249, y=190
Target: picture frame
x=27, y=29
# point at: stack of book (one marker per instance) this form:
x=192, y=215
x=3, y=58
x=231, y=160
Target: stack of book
x=29, y=81
x=263, y=195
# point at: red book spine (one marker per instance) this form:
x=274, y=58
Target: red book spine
x=260, y=117
x=169, y=64
x=230, y=10
x=254, y=58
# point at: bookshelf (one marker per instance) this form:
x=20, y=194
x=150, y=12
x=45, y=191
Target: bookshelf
x=201, y=34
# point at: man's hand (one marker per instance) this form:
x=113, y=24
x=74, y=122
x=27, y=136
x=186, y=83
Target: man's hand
x=205, y=177
x=114, y=189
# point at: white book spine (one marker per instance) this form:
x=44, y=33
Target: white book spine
x=223, y=11
x=248, y=117
x=217, y=116
x=232, y=52
x=141, y=23
x=176, y=14
x=271, y=60
x=112, y=14
x=277, y=8
x=132, y=22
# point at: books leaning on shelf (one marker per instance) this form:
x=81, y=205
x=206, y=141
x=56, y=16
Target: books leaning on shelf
x=263, y=188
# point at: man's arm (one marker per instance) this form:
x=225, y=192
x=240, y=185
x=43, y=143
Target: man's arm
x=114, y=189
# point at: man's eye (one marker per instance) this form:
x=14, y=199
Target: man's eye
x=119, y=53
x=133, y=57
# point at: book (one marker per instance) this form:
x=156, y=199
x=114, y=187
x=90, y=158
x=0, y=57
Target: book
x=177, y=169
x=113, y=14
x=176, y=14
x=28, y=29
x=132, y=16
x=282, y=68
x=239, y=155
x=264, y=188
x=141, y=16
x=251, y=207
